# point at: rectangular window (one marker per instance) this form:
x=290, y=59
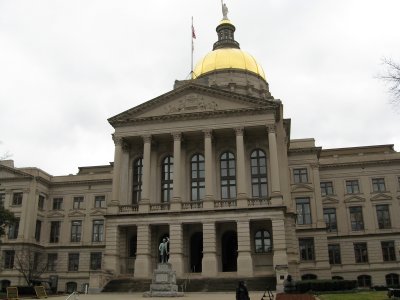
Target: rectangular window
x=95, y=261
x=306, y=247
x=326, y=188
x=9, y=259
x=41, y=202
x=300, y=175
x=334, y=254
x=99, y=201
x=13, y=229
x=57, y=203
x=73, y=261
x=378, y=185
x=361, y=252
x=2, y=199
x=17, y=199
x=38, y=230
x=383, y=215
x=76, y=231
x=98, y=231
x=78, y=202
x=55, y=231
x=303, y=211
x=356, y=218
x=388, y=251
x=52, y=261
x=330, y=219
x=352, y=187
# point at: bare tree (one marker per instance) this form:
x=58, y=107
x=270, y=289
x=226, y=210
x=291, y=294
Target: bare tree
x=30, y=263
x=392, y=78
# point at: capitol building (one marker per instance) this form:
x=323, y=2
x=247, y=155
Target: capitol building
x=211, y=165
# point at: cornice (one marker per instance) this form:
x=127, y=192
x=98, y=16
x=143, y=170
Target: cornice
x=16, y=172
x=363, y=163
x=316, y=150
x=73, y=182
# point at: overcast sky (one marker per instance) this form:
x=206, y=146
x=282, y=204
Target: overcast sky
x=66, y=66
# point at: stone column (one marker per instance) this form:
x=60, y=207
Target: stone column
x=317, y=209
x=209, y=263
x=244, y=260
x=111, y=253
x=144, y=204
x=241, y=168
x=273, y=161
x=143, y=255
x=117, y=169
x=280, y=259
x=176, y=248
x=176, y=200
x=209, y=169
x=124, y=197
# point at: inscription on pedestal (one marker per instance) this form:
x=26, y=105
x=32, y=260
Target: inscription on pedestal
x=161, y=278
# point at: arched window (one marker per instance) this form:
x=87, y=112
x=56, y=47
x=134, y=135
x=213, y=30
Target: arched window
x=167, y=172
x=262, y=241
x=137, y=180
x=258, y=174
x=197, y=177
x=364, y=281
x=392, y=279
x=309, y=277
x=228, y=176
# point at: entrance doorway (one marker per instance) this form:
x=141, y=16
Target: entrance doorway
x=229, y=251
x=196, y=252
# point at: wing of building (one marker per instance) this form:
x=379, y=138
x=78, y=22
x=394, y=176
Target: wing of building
x=211, y=165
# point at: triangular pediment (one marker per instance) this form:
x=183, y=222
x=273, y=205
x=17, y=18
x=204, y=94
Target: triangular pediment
x=381, y=197
x=329, y=200
x=55, y=214
x=352, y=199
x=76, y=213
x=302, y=188
x=12, y=173
x=192, y=100
x=97, y=212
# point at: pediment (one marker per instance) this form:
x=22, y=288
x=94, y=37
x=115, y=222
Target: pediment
x=97, y=212
x=76, y=213
x=12, y=173
x=381, y=197
x=353, y=199
x=55, y=214
x=329, y=200
x=302, y=188
x=192, y=99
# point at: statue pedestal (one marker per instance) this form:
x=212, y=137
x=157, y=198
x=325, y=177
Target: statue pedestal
x=163, y=283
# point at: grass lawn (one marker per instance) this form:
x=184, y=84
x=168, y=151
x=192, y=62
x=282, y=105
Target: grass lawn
x=356, y=296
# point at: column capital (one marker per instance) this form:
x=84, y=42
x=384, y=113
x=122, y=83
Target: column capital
x=117, y=140
x=271, y=128
x=177, y=136
x=207, y=133
x=314, y=166
x=146, y=138
x=125, y=146
x=239, y=130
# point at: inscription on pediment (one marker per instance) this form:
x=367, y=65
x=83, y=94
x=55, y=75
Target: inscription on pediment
x=191, y=103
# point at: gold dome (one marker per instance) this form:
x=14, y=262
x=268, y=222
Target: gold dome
x=228, y=58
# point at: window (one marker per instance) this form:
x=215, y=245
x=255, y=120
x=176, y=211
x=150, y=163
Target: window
x=262, y=241
x=326, y=188
x=361, y=252
x=52, y=261
x=167, y=173
x=73, y=261
x=76, y=231
x=98, y=231
x=306, y=246
x=300, y=175
x=132, y=246
x=17, y=199
x=137, y=180
x=95, y=260
x=197, y=177
x=2, y=198
x=57, y=203
x=9, y=259
x=100, y=201
x=330, y=219
x=378, y=185
x=259, y=185
x=334, y=254
x=13, y=229
x=364, y=281
x=38, y=230
x=41, y=202
x=55, y=231
x=392, y=279
x=352, y=187
x=388, y=251
x=356, y=218
x=303, y=211
x=228, y=176
x=383, y=215
x=78, y=202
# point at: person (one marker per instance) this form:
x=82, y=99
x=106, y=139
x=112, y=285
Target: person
x=241, y=292
x=289, y=286
x=163, y=248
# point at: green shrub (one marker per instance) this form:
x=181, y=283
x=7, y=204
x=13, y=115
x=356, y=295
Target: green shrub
x=325, y=285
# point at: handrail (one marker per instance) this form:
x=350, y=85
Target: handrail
x=76, y=294
x=268, y=294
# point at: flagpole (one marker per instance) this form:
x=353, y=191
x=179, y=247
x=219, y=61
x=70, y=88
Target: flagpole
x=191, y=62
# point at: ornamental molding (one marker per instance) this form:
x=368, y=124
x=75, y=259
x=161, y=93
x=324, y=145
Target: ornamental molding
x=146, y=138
x=191, y=103
x=177, y=136
x=15, y=172
x=354, y=199
x=381, y=197
x=55, y=214
x=117, y=140
x=208, y=133
x=271, y=128
x=359, y=164
x=76, y=213
x=302, y=188
x=97, y=212
x=329, y=200
x=88, y=182
x=315, y=150
x=239, y=131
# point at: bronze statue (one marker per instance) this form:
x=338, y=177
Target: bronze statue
x=163, y=248
x=224, y=11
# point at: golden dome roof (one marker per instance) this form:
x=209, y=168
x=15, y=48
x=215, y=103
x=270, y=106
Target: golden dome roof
x=228, y=58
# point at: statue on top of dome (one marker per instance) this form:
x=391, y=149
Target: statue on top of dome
x=224, y=10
